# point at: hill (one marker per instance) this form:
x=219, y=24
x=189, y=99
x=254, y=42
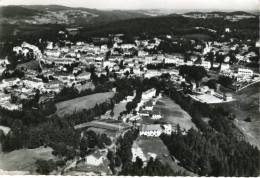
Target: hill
x=100, y=16
x=170, y=24
x=17, y=11
x=220, y=13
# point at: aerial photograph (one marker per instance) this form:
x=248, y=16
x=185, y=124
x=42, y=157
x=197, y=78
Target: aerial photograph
x=130, y=88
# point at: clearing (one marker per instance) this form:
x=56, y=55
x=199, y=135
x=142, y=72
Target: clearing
x=23, y=161
x=173, y=114
x=146, y=148
x=247, y=105
x=78, y=104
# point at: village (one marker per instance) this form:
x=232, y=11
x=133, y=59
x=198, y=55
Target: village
x=69, y=66
x=39, y=76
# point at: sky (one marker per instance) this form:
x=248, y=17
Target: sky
x=145, y=4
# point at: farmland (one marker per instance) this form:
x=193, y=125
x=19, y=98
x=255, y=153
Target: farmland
x=23, y=161
x=172, y=113
x=154, y=147
x=81, y=103
x=247, y=106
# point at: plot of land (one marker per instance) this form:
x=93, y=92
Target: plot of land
x=81, y=103
x=247, y=105
x=154, y=147
x=23, y=161
x=173, y=114
x=198, y=36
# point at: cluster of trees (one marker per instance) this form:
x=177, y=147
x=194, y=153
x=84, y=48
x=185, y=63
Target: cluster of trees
x=90, y=140
x=122, y=158
x=218, y=149
x=153, y=168
x=213, y=154
x=133, y=104
x=159, y=66
x=195, y=73
x=45, y=167
x=226, y=81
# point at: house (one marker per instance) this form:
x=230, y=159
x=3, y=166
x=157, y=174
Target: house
x=227, y=30
x=53, y=86
x=84, y=76
x=153, y=130
x=152, y=73
x=52, y=53
x=137, y=152
x=156, y=115
x=245, y=72
x=144, y=113
x=148, y=106
x=224, y=67
x=142, y=53
x=257, y=44
x=228, y=97
x=95, y=159
x=206, y=64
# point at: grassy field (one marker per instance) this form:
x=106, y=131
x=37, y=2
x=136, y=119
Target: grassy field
x=198, y=36
x=23, y=161
x=155, y=146
x=247, y=105
x=173, y=114
x=81, y=103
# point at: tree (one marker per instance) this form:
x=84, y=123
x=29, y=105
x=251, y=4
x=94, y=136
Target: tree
x=83, y=146
x=45, y=167
x=91, y=138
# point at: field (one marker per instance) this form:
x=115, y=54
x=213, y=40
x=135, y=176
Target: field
x=23, y=161
x=172, y=113
x=81, y=103
x=198, y=36
x=154, y=147
x=247, y=105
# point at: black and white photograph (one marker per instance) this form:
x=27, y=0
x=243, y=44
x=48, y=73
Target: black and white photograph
x=130, y=88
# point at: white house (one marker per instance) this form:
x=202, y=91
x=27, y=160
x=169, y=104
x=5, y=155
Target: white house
x=206, y=65
x=156, y=115
x=225, y=67
x=84, y=76
x=53, y=53
x=245, y=72
x=153, y=130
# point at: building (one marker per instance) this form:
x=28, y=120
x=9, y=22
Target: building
x=245, y=73
x=84, y=76
x=52, y=53
x=224, y=67
x=155, y=130
x=156, y=115
x=227, y=30
x=206, y=64
x=228, y=97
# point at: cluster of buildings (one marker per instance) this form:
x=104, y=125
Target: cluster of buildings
x=230, y=17
x=72, y=64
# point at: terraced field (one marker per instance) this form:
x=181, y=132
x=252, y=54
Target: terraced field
x=78, y=104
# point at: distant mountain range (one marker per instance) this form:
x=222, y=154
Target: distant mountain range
x=221, y=13
x=56, y=14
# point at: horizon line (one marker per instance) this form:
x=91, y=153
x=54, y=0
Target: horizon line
x=134, y=9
